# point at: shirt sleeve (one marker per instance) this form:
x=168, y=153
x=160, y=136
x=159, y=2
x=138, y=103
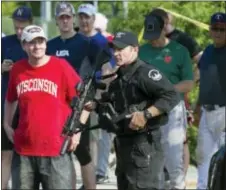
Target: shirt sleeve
x=71, y=80
x=186, y=66
x=190, y=43
x=203, y=62
x=11, y=94
x=154, y=84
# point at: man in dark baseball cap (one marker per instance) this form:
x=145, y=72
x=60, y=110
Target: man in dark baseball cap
x=218, y=18
x=212, y=63
x=22, y=17
x=137, y=81
x=65, y=18
x=218, y=28
x=64, y=8
x=168, y=55
x=126, y=46
x=153, y=26
x=12, y=52
x=23, y=14
x=123, y=39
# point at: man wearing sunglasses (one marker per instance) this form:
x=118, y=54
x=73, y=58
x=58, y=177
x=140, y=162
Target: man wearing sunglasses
x=211, y=97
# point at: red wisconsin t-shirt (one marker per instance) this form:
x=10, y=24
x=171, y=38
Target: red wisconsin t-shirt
x=43, y=95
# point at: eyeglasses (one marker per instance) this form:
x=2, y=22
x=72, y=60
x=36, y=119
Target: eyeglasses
x=218, y=29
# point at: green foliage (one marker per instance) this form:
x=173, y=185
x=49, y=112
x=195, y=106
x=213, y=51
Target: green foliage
x=200, y=11
x=8, y=8
x=192, y=133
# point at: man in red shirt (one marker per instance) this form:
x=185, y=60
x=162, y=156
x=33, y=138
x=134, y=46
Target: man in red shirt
x=43, y=87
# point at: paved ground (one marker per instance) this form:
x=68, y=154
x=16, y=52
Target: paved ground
x=191, y=179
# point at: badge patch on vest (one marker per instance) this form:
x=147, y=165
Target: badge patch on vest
x=154, y=75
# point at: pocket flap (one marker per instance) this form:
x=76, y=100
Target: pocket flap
x=142, y=163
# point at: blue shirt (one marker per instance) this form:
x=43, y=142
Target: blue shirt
x=103, y=42
x=11, y=49
x=80, y=51
x=74, y=49
x=221, y=66
x=210, y=91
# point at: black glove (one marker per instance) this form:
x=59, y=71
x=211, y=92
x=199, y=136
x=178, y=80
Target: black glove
x=107, y=124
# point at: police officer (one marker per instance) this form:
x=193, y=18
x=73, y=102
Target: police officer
x=145, y=96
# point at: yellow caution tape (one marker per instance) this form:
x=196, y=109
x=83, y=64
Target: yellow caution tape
x=140, y=36
x=197, y=23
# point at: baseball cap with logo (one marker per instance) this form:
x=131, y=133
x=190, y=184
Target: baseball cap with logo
x=64, y=8
x=22, y=13
x=31, y=32
x=218, y=18
x=153, y=26
x=123, y=39
x=88, y=9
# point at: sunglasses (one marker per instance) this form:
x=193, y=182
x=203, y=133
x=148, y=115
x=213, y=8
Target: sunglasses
x=215, y=29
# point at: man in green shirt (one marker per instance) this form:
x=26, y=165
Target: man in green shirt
x=174, y=61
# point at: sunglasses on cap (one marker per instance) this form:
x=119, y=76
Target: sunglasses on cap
x=216, y=29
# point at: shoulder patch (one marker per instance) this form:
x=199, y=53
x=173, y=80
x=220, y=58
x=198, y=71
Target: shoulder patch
x=154, y=75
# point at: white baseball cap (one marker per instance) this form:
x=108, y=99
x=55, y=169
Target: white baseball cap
x=31, y=32
x=88, y=9
x=101, y=22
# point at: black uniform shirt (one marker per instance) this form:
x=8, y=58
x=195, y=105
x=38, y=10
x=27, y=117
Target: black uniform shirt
x=139, y=82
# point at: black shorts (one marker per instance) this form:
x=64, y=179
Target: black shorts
x=6, y=143
x=82, y=152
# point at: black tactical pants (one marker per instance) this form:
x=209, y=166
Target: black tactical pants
x=138, y=165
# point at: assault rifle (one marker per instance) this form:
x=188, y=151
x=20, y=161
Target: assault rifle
x=83, y=89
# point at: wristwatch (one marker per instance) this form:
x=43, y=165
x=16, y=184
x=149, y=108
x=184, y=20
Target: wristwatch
x=147, y=115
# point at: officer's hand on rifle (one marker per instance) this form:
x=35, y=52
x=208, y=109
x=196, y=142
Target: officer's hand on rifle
x=74, y=141
x=138, y=120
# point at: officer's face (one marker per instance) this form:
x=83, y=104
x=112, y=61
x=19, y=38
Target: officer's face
x=35, y=48
x=86, y=22
x=19, y=26
x=218, y=34
x=125, y=56
x=65, y=23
